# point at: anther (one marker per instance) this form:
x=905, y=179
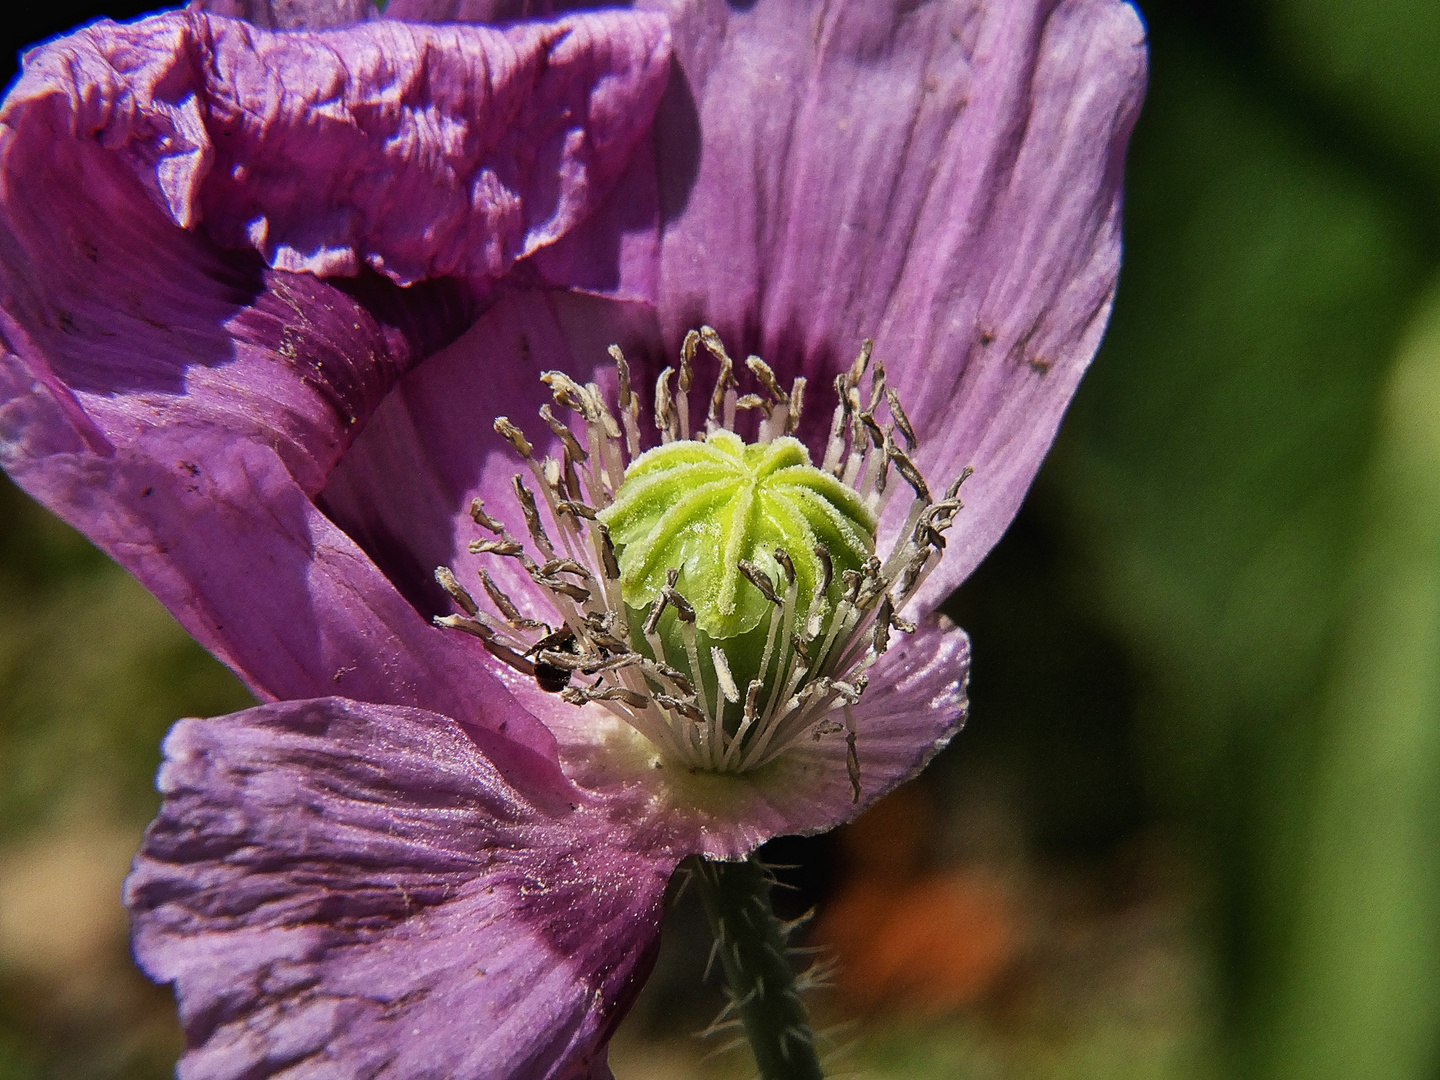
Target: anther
x=578, y=695
x=722, y=674
x=565, y=661
x=765, y=376
x=532, y=516
x=508, y=547
x=669, y=673
x=953, y=491
x=479, y=630
x=881, y=639
x=576, y=509
x=797, y=403
x=627, y=402
x=445, y=578
x=835, y=444
x=607, y=552
x=578, y=593
x=622, y=376
x=872, y=427
x=752, y=698
x=665, y=407
x=827, y=569
x=467, y=623
x=852, y=758
x=562, y=431
x=877, y=385
x=553, y=475
x=684, y=708
x=505, y=605
x=783, y=558
x=566, y=566
x=568, y=393
x=684, y=610
x=601, y=411
x=857, y=369
x=754, y=401
x=652, y=621
x=910, y=577
x=506, y=430
x=724, y=381
x=907, y=469
x=902, y=421
x=760, y=580
x=598, y=627
x=481, y=518
x=686, y=379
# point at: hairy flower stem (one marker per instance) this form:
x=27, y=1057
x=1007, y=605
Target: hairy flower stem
x=750, y=942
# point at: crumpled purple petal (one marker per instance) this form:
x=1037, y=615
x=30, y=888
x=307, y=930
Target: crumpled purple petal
x=342, y=891
x=181, y=402
x=301, y=14
x=420, y=151
x=314, y=14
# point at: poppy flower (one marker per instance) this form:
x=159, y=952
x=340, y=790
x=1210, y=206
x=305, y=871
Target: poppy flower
x=265, y=291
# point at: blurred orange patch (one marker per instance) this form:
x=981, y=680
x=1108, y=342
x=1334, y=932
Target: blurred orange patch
x=925, y=942
x=934, y=945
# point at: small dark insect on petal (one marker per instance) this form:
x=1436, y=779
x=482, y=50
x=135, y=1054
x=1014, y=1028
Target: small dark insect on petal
x=551, y=679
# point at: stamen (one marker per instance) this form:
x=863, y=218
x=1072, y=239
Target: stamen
x=533, y=524
x=506, y=430
x=687, y=376
x=505, y=605
x=902, y=421
x=835, y=444
x=608, y=560
x=721, y=403
x=506, y=547
x=481, y=518
x=816, y=651
x=877, y=384
x=665, y=408
x=760, y=580
x=445, y=578
x=907, y=469
x=723, y=676
x=561, y=431
x=628, y=403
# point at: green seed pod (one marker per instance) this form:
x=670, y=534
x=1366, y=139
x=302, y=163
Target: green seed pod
x=711, y=510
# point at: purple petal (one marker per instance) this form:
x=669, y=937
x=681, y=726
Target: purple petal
x=179, y=402
x=316, y=14
x=343, y=891
x=298, y=14
x=259, y=575
x=945, y=179
x=403, y=489
x=942, y=177
x=420, y=151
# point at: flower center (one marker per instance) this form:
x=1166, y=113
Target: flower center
x=739, y=524
x=722, y=597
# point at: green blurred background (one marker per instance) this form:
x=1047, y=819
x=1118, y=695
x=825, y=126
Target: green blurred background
x=1193, y=827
